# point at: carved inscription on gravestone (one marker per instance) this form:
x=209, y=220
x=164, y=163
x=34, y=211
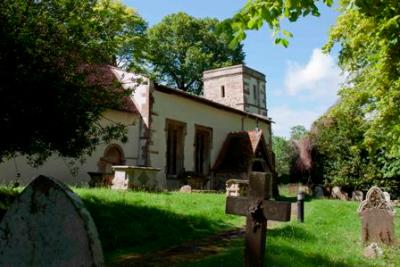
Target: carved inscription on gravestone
x=48, y=225
x=377, y=216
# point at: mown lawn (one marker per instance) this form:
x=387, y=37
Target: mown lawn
x=142, y=223
x=145, y=222
x=330, y=236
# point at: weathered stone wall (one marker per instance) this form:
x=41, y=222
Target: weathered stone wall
x=244, y=88
x=231, y=79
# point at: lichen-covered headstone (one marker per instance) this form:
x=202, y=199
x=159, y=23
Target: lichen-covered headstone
x=357, y=196
x=48, y=225
x=386, y=195
x=377, y=216
x=337, y=193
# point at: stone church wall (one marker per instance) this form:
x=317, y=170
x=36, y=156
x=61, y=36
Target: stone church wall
x=174, y=107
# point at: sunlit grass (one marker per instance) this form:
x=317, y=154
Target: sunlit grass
x=140, y=222
x=330, y=236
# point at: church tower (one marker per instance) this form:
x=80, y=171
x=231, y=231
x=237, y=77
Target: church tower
x=237, y=86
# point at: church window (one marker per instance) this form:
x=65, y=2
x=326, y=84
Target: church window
x=202, y=150
x=175, y=147
x=223, y=91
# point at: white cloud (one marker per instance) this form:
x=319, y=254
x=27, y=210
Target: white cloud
x=318, y=79
x=285, y=118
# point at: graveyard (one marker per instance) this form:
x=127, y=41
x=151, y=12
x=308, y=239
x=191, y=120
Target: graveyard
x=192, y=229
x=178, y=134
x=330, y=235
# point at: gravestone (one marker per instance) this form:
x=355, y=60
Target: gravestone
x=377, y=216
x=48, y=225
x=186, y=189
x=318, y=191
x=386, y=195
x=257, y=210
x=337, y=193
x=357, y=196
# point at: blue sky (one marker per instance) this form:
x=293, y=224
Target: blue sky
x=301, y=81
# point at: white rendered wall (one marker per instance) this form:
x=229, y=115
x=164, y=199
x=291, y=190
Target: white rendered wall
x=57, y=167
x=170, y=106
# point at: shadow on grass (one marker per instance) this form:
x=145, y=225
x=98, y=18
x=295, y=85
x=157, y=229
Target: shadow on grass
x=126, y=227
x=292, y=232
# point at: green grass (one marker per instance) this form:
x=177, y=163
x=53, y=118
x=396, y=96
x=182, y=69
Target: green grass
x=330, y=236
x=139, y=222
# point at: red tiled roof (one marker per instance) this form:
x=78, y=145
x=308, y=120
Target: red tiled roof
x=239, y=149
x=103, y=75
x=255, y=138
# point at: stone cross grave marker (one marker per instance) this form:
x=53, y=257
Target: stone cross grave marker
x=377, y=217
x=48, y=225
x=257, y=210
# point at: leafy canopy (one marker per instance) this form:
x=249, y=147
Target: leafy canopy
x=357, y=142
x=256, y=13
x=283, y=153
x=181, y=47
x=46, y=105
x=297, y=132
x=367, y=118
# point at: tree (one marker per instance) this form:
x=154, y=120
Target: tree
x=283, y=154
x=181, y=47
x=368, y=34
x=361, y=144
x=256, y=13
x=337, y=138
x=297, y=132
x=47, y=50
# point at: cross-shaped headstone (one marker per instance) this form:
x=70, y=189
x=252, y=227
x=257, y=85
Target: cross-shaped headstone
x=257, y=210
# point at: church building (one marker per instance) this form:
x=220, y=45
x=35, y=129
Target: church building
x=182, y=138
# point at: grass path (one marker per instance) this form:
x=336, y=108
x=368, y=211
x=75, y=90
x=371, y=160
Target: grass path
x=189, y=251
x=139, y=223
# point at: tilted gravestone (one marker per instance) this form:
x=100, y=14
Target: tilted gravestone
x=48, y=225
x=377, y=216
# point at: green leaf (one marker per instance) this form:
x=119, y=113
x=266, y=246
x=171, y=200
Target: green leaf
x=287, y=34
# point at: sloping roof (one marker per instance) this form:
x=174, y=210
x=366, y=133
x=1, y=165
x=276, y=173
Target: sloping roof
x=239, y=150
x=178, y=92
x=104, y=76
